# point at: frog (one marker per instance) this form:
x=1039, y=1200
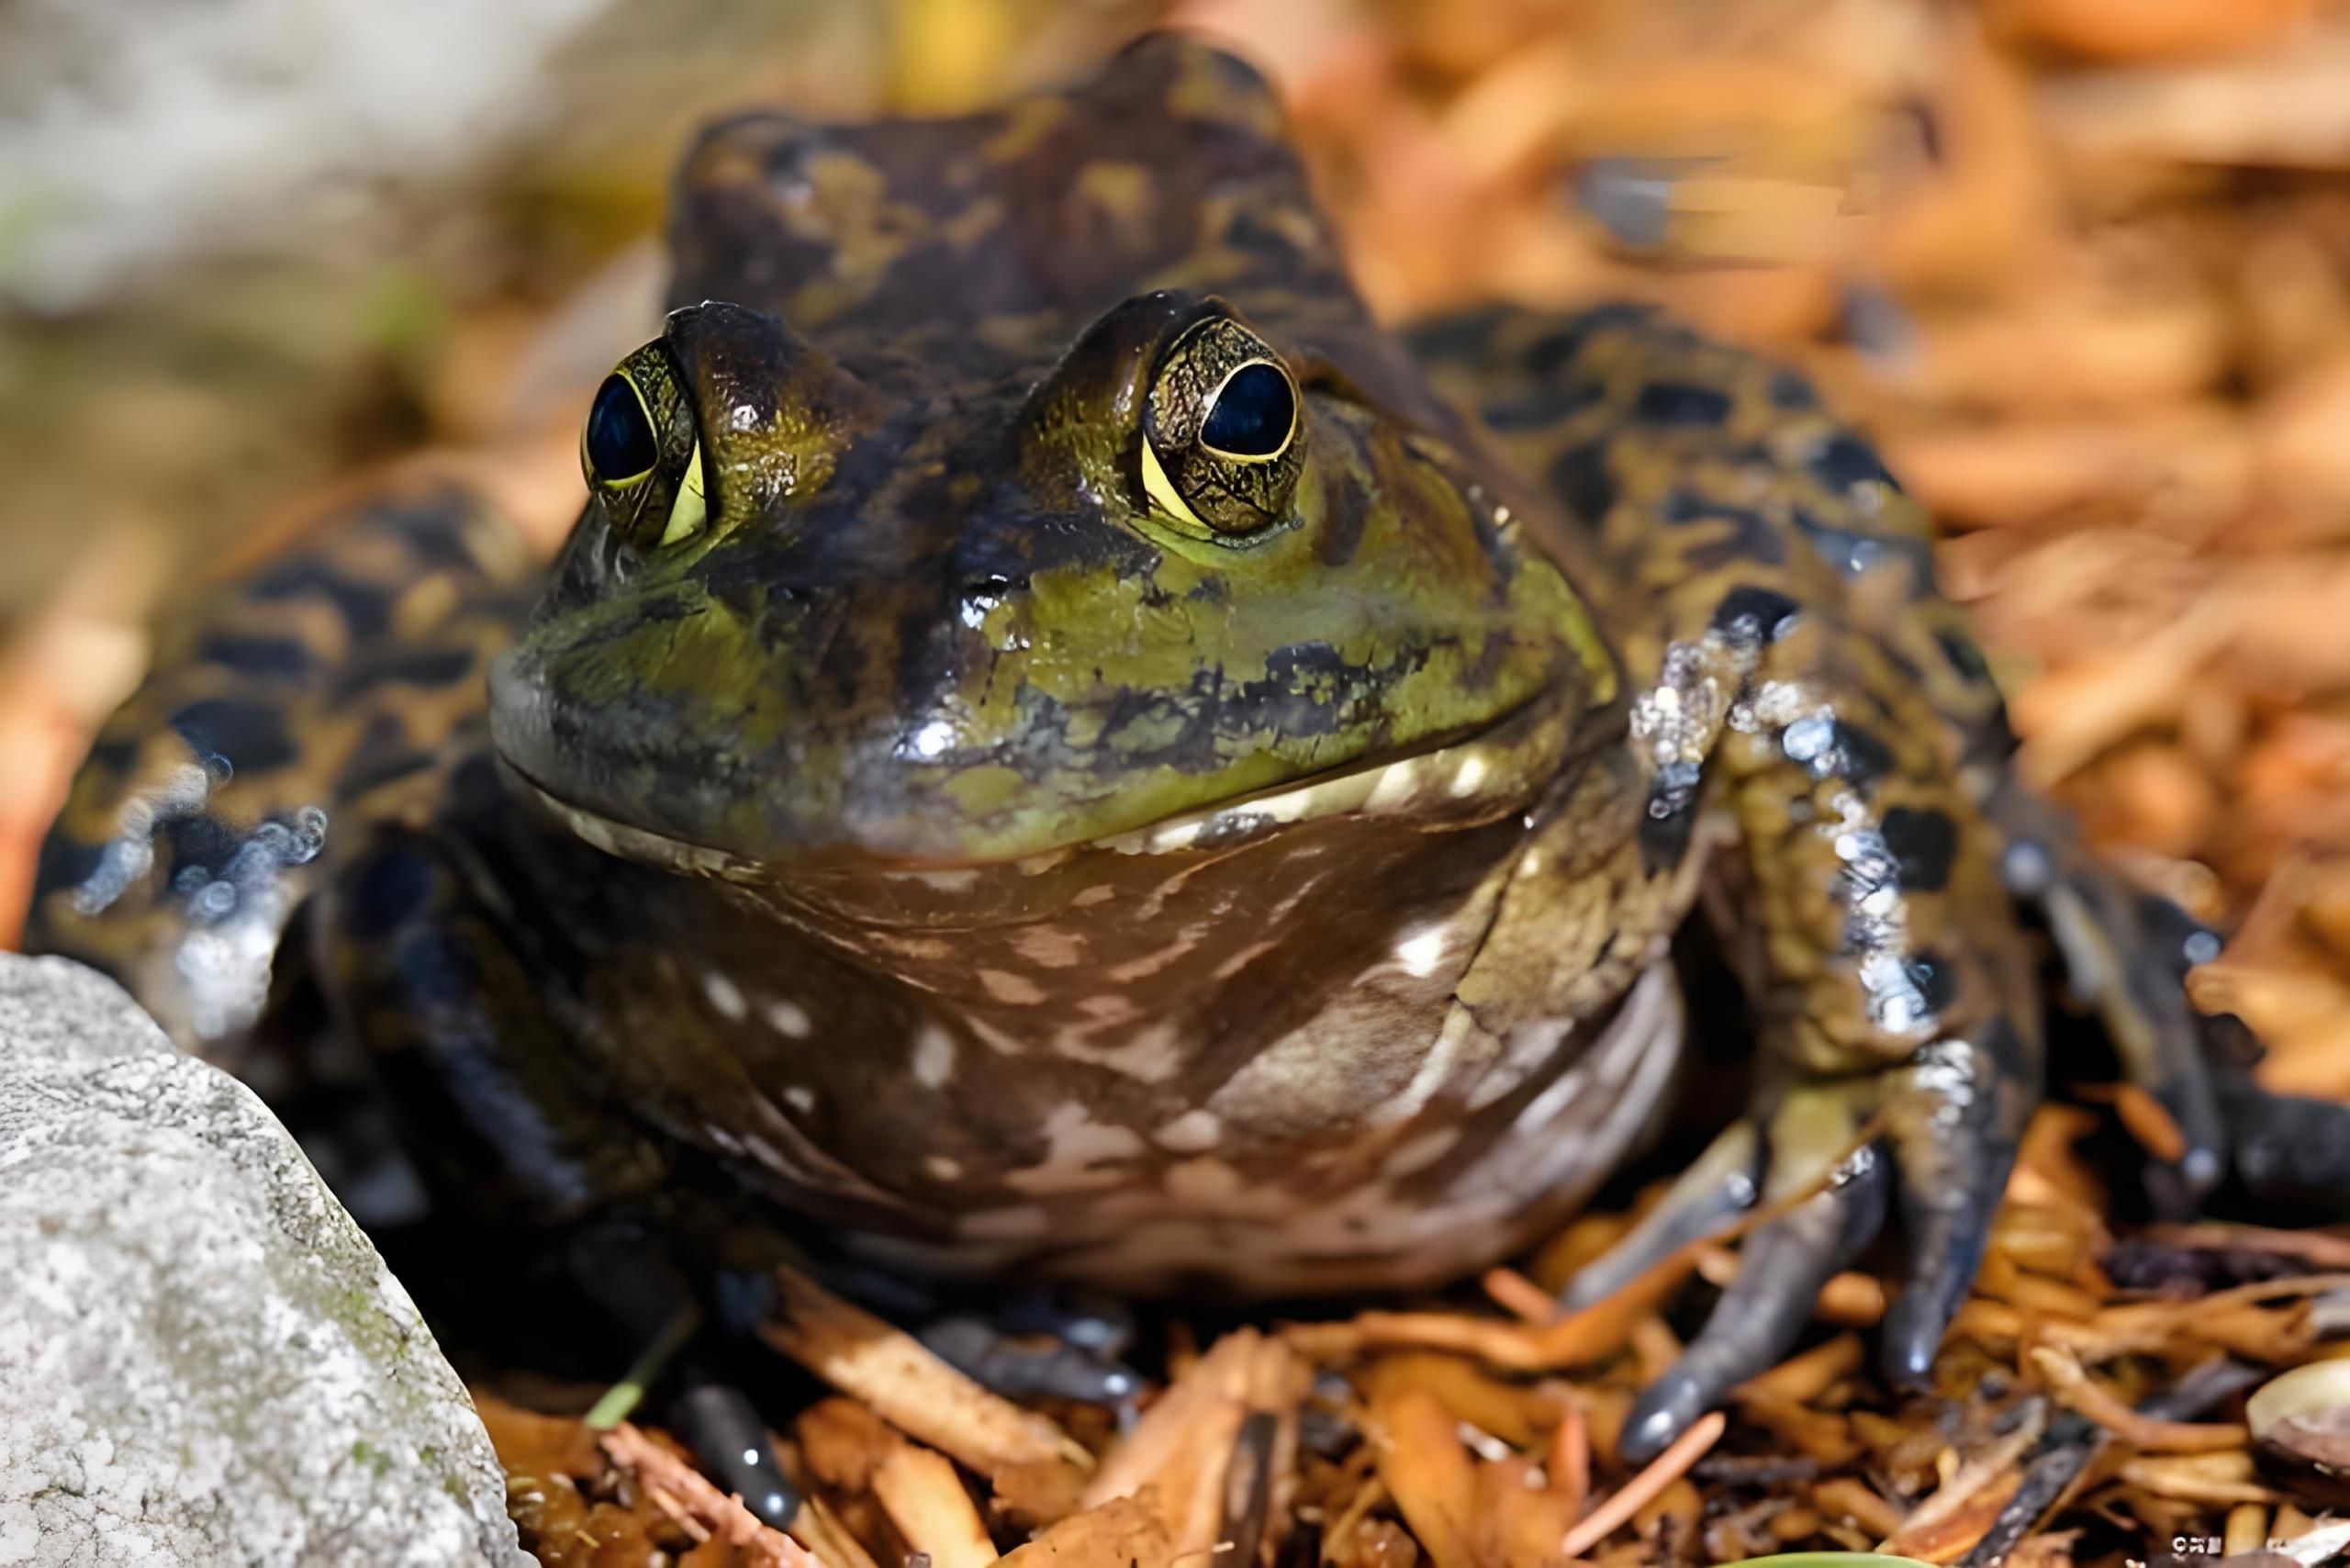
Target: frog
x=1062, y=748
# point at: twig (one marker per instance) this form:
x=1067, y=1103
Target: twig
x=1638, y=1493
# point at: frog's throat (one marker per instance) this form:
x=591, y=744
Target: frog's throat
x=1470, y=779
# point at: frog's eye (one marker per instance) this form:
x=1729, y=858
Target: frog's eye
x=642, y=453
x=1223, y=436
x=1252, y=418
x=621, y=448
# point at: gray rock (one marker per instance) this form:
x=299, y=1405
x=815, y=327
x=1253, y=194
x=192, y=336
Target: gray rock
x=202, y=1359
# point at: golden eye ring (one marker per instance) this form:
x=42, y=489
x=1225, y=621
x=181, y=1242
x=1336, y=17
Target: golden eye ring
x=1223, y=433
x=642, y=452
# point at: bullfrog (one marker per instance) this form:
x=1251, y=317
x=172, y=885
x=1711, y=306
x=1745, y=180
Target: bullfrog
x=1061, y=748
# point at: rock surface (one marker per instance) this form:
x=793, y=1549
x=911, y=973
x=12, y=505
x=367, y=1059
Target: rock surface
x=202, y=1359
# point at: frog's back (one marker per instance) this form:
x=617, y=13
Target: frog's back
x=328, y=683
x=1685, y=466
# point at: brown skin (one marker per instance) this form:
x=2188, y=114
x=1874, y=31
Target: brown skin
x=1064, y=747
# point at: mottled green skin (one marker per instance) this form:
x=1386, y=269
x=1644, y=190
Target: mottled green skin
x=954, y=841
x=933, y=596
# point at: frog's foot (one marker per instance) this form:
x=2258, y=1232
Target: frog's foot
x=1019, y=1343
x=1934, y=1135
x=718, y=1422
x=1021, y=1366
x=2126, y=955
x=680, y=1335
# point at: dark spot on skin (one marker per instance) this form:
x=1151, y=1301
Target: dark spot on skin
x=1549, y=403
x=1936, y=980
x=199, y=842
x=1466, y=336
x=1862, y=758
x=1865, y=758
x=262, y=658
x=1843, y=462
x=1688, y=506
x=1836, y=749
x=1679, y=403
x=1853, y=552
x=1751, y=536
x=1790, y=391
x=1016, y=543
x=1247, y=232
x=65, y=862
x=252, y=735
x=433, y=529
x=427, y=668
x=1305, y=691
x=381, y=755
x=1581, y=477
x=366, y=611
x=1750, y=614
x=1671, y=816
x=115, y=756
x=388, y=891
x=1342, y=521
x=1963, y=655
x=1553, y=351
x=1923, y=841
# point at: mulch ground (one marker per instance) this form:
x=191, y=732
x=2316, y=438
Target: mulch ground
x=2082, y=267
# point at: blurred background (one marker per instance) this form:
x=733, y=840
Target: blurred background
x=2081, y=266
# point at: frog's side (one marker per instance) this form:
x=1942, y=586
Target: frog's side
x=978, y=811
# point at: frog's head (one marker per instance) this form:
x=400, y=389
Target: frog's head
x=974, y=566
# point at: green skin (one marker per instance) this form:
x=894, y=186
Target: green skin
x=956, y=800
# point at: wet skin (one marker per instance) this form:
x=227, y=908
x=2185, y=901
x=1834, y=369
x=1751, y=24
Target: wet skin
x=1059, y=748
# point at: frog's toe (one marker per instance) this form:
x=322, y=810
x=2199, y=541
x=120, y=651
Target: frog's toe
x=1764, y=1311
x=2127, y=954
x=1951, y=1118
x=1018, y=1341
x=1019, y=1367
x=730, y=1442
x=1715, y=1190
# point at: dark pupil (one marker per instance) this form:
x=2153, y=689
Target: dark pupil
x=1252, y=414
x=619, y=438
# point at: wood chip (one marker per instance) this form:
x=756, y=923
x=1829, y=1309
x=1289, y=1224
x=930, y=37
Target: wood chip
x=1187, y=1443
x=925, y=1500
x=1667, y=1468
x=1126, y=1532
x=2078, y=1390
x=905, y=1384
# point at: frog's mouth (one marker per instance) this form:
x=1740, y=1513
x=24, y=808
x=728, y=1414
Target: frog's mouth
x=1465, y=781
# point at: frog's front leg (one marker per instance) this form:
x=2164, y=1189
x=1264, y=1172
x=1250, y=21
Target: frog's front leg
x=432, y=973
x=442, y=969
x=1798, y=680
x=1894, y=986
